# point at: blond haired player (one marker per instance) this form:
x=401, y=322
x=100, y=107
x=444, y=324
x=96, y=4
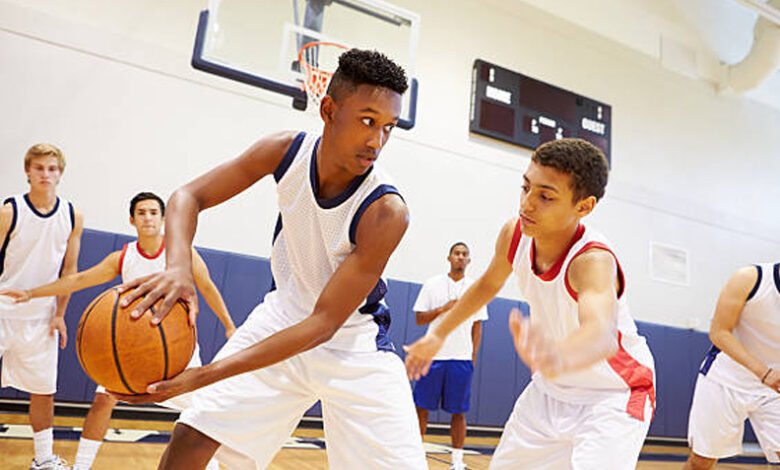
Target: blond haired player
x=40, y=235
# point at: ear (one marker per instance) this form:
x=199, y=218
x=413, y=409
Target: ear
x=132, y=220
x=327, y=109
x=585, y=206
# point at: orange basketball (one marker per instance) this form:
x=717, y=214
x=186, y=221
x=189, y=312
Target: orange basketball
x=126, y=355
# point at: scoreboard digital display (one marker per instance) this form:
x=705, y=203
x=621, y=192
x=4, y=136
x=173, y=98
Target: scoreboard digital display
x=512, y=107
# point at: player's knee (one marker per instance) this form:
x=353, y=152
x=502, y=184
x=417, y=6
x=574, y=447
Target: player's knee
x=104, y=400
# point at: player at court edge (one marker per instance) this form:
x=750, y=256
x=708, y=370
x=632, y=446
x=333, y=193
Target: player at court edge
x=136, y=259
x=322, y=333
x=591, y=396
x=40, y=238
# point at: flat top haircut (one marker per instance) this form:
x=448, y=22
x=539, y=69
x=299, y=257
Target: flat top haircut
x=145, y=196
x=585, y=162
x=363, y=67
x=457, y=244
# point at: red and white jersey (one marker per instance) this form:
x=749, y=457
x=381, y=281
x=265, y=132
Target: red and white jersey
x=555, y=311
x=32, y=254
x=758, y=330
x=135, y=263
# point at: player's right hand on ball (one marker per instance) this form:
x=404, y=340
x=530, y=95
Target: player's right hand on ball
x=170, y=286
x=19, y=296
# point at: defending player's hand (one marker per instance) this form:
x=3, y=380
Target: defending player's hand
x=772, y=380
x=158, y=392
x=19, y=296
x=419, y=355
x=58, y=324
x=170, y=286
x=535, y=349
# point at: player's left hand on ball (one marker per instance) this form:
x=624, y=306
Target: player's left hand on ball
x=165, y=390
x=171, y=285
x=419, y=355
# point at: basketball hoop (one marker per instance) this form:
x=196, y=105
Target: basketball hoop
x=318, y=60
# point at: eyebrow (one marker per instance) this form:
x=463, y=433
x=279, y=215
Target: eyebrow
x=543, y=186
x=374, y=111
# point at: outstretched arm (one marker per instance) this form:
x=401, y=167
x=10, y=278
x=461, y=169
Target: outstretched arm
x=107, y=269
x=420, y=354
x=211, y=293
x=181, y=219
x=380, y=230
x=728, y=311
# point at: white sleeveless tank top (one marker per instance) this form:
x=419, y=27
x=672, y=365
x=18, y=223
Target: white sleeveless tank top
x=312, y=238
x=134, y=263
x=32, y=254
x=554, y=309
x=758, y=329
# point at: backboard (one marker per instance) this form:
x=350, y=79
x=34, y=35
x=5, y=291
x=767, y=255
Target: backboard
x=257, y=41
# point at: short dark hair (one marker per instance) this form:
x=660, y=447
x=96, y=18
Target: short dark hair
x=457, y=244
x=585, y=162
x=363, y=67
x=145, y=196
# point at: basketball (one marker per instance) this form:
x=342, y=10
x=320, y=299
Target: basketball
x=126, y=355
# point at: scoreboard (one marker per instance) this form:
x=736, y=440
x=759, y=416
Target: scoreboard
x=512, y=107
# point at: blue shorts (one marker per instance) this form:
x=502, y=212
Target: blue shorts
x=447, y=385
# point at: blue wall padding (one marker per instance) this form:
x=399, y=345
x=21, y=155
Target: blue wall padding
x=499, y=376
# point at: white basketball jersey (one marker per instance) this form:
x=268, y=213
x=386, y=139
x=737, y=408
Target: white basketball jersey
x=758, y=329
x=32, y=254
x=134, y=263
x=554, y=310
x=312, y=238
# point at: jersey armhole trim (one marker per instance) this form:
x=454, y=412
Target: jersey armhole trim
x=72, y=214
x=122, y=259
x=757, y=284
x=289, y=156
x=516, y=235
x=600, y=246
x=777, y=276
x=375, y=195
x=4, y=246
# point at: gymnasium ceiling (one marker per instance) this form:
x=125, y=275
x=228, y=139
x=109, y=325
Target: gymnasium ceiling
x=701, y=39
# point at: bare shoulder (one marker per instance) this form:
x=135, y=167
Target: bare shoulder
x=593, y=257
x=389, y=209
x=742, y=281
x=506, y=235
x=592, y=267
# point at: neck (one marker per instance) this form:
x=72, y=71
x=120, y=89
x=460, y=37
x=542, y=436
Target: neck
x=42, y=199
x=150, y=245
x=332, y=179
x=457, y=275
x=550, y=248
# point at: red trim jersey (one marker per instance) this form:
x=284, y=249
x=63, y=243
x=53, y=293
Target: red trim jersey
x=554, y=310
x=135, y=263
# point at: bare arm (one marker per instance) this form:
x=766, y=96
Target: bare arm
x=69, y=266
x=102, y=272
x=211, y=293
x=6, y=217
x=728, y=311
x=593, y=276
x=476, y=339
x=420, y=354
x=380, y=230
x=423, y=318
x=210, y=189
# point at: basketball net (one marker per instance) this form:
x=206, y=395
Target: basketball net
x=318, y=60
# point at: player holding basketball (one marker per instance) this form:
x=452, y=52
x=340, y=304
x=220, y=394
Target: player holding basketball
x=745, y=381
x=340, y=220
x=40, y=234
x=141, y=258
x=590, y=401
x=449, y=382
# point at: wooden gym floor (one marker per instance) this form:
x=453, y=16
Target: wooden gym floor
x=303, y=452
